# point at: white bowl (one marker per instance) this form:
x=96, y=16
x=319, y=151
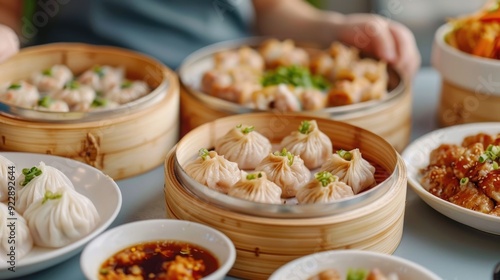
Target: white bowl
x=121, y=237
x=344, y=260
x=416, y=157
x=89, y=181
x=473, y=73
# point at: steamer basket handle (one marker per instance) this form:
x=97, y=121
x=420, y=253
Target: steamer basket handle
x=90, y=150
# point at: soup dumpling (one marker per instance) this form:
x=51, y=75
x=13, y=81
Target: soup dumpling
x=256, y=187
x=243, y=145
x=51, y=79
x=313, y=146
x=323, y=188
x=23, y=239
x=61, y=218
x=34, y=182
x=286, y=170
x=7, y=172
x=213, y=171
x=351, y=168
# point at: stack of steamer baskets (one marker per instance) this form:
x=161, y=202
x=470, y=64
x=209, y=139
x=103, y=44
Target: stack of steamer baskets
x=388, y=116
x=266, y=236
x=139, y=132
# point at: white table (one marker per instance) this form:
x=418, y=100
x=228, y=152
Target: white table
x=451, y=250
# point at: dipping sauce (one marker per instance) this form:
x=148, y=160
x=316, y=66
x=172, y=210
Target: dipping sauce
x=166, y=260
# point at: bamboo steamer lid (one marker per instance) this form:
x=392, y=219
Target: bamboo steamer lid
x=264, y=243
x=389, y=118
x=122, y=143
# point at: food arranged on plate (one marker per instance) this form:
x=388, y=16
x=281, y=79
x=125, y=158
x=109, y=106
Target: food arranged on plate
x=466, y=174
x=303, y=165
x=58, y=89
x=48, y=211
x=478, y=33
x=278, y=75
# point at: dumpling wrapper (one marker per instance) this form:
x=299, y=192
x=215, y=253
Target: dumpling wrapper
x=352, y=169
x=214, y=171
x=6, y=167
x=323, y=188
x=22, y=235
x=50, y=179
x=286, y=170
x=61, y=218
x=243, y=145
x=312, y=145
x=256, y=187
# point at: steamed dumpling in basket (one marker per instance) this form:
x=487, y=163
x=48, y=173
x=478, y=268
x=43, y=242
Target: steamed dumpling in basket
x=22, y=94
x=213, y=171
x=286, y=170
x=243, y=145
x=312, y=145
x=256, y=187
x=51, y=79
x=323, y=188
x=352, y=169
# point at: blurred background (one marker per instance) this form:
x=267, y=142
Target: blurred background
x=423, y=17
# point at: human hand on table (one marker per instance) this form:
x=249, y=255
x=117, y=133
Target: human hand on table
x=386, y=39
x=9, y=43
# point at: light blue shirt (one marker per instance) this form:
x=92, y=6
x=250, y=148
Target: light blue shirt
x=168, y=30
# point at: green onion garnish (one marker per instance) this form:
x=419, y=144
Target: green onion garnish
x=30, y=174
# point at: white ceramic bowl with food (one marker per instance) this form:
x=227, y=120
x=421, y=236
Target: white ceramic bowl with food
x=470, y=91
x=141, y=232
x=88, y=181
x=344, y=260
x=416, y=157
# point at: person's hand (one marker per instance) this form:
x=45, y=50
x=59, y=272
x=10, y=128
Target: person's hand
x=388, y=40
x=9, y=43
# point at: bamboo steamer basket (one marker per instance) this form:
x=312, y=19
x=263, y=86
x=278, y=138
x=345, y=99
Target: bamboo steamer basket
x=389, y=117
x=470, y=91
x=124, y=142
x=266, y=239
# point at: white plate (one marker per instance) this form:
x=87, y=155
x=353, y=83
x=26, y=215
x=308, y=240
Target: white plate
x=343, y=260
x=89, y=181
x=416, y=156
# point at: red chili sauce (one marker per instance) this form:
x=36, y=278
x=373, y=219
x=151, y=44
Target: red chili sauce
x=166, y=260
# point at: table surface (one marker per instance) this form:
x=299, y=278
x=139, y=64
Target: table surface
x=451, y=250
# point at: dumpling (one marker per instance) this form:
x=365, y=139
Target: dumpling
x=286, y=170
x=102, y=78
x=76, y=95
x=7, y=174
x=127, y=91
x=324, y=188
x=61, y=218
x=100, y=103
x=23, y=240
x=213, y=171
x=243, y=145
x=47, y=103
x=312, y=145
x=20, y=94
x=351, y=168
x=36, y=181
x=256, y=187
x=51, y=79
